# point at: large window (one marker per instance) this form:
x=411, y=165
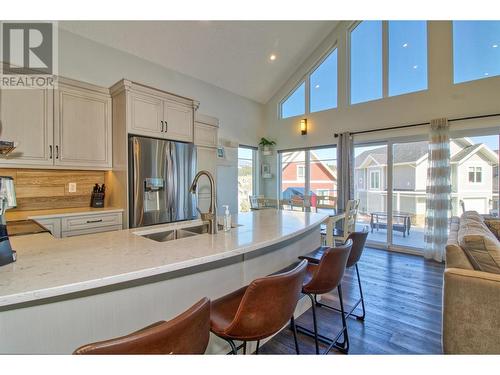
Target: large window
x=311, y=173
x=366, y=62
x=406, y=59
x=407, y=56
x=476, y=50
x=323, y=84
x=295, y=104
x=246, y=177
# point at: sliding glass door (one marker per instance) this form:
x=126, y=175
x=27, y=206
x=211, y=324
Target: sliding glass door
x=370, y=187
x=409, y=176
x=392, y=178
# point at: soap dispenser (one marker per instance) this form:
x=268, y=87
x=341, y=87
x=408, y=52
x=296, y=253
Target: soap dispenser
x=227, y=219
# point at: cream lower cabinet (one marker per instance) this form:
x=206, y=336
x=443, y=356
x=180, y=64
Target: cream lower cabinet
x=26, y=117
x=80, y=224
x=65, y=128
x=53, y=225
x=154, y=113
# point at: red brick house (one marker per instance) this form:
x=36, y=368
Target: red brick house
x=323, y=180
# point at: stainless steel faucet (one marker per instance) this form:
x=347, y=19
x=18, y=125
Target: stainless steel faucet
x=211, y=215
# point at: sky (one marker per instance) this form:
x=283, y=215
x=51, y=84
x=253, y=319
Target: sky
x=476, y=52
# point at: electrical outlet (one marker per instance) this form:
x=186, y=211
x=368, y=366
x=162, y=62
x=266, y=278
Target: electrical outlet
x=72, y=187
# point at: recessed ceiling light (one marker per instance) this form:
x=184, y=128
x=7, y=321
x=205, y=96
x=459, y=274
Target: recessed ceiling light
x=486, y=74
x=494, y=46
x=405, y=45
x=316, y=87
x=272, y=57
x=415, y=66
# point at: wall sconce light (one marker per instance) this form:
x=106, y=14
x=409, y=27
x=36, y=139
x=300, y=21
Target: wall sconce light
x=303, y=126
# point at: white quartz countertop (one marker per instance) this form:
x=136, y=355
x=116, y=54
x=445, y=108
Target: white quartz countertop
x=48, y=267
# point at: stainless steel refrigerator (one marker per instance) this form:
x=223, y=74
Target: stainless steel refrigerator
x=160, y=173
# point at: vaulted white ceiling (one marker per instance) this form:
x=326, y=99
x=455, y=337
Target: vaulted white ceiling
x=233, y=55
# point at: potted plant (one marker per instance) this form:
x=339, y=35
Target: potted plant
x=266, y=145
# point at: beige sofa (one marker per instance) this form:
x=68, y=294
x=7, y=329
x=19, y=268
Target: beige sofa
x=471, y=297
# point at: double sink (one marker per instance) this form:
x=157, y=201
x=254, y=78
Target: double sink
x=179, y=233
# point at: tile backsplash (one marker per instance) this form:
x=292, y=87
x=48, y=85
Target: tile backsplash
x=40, y=189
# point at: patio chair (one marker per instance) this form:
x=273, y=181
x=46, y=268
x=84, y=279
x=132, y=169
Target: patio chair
x=326, y=203
x=254, y=201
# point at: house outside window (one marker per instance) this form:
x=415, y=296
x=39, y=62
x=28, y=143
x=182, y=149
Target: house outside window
x=475, y=174
x=375, y=180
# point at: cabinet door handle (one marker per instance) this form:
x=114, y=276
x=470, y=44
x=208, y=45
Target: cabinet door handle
x=50, y=151
x=161, y=126
x=166, y=126
x=57, y=151
x=94, y=221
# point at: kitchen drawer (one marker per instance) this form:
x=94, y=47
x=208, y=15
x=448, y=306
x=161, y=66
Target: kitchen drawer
x=79, y=223
x=91, y=230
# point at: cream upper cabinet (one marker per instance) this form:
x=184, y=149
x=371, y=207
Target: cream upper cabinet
x=146, y=112
x=154, y=113
x=206, y=131
x=69, y=127
x=83, y=126
x=26, y=117
x=178, y=121
x=206, y=159
x=205, y=139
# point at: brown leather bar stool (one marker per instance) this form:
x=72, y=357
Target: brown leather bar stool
x=358, y=245
x=321, y=278
x=188, y=333
x=258, y=310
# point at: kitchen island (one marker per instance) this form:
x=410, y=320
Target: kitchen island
x=62, y=293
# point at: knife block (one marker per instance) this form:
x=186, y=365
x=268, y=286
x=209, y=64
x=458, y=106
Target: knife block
x=97, y=200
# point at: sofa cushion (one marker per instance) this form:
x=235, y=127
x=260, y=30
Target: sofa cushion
x=494, y=226
x=479, y=244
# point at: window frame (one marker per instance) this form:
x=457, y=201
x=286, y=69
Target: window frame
x=452, y=40
x=374, y=172
x=255, y=172
x=290, y=93
x=311, y=71
x=307, y=166
x=476, y=171
x=299, y=167
x=385, y=63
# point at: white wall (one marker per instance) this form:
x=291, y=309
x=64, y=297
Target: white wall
x=240, y=119
x=442, y=99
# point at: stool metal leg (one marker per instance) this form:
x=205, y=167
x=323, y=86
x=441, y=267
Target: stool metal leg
x=231, y=343
x=315, y=324
x=257, y=350
x=244, y=347
x=343, y=346
x=361, y=317
x=294, y=330
x=350, y=313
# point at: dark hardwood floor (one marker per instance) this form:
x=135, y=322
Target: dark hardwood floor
x=403, y=308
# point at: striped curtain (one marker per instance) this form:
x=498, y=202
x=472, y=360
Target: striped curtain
x=345, y=156
x=438, y=191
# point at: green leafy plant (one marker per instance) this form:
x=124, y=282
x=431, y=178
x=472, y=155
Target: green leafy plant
x=266, y=142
